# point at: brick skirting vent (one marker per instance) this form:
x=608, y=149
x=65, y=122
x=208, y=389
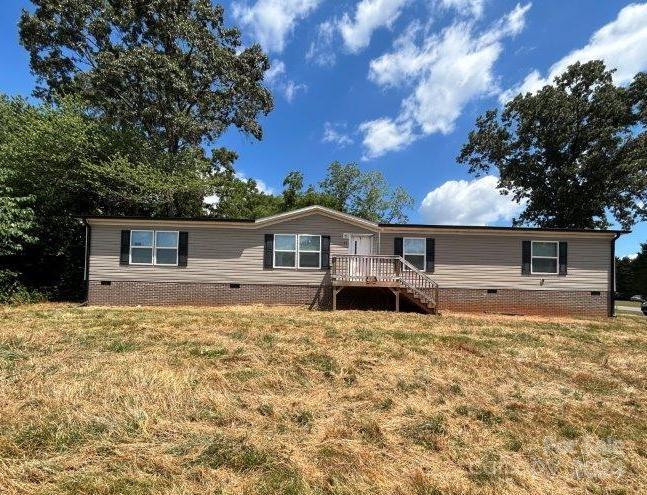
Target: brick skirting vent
x=506, y=301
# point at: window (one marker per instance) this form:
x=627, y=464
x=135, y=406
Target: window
x=297, y=251
x=149, y=247
x=309, y=251
x=285, y=250
x=545, y=257
x=414, y=251
x=141, y=247
x=166, y=247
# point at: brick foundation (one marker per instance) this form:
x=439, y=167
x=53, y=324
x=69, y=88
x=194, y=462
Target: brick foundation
x=525, y=302
x=195, y=294
x=510, y=301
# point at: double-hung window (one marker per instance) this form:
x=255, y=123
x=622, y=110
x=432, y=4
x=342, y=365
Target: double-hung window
x=309, y=251
x=141, y=247
x=545, y=257
x=150, y=247
x=297, y=251
x=285, y=250
x=166, y=243
x=415, y=251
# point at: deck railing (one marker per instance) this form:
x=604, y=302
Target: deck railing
x=384, y=270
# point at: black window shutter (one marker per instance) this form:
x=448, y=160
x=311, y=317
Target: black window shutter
x=563, y=257
x=183, y=249
x=526, y=247
x=124, y=254
x=325, y=252
x=431, y=255
x=397, y=246
x=268, y=252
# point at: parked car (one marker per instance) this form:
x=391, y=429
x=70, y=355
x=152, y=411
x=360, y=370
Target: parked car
x=643, y=306
x=637, y=298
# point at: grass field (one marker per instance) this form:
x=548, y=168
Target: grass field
x=632, y=304
x=255, y=400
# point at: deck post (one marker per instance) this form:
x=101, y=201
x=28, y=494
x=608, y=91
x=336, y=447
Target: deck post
x=335, y=291
x=396, y=293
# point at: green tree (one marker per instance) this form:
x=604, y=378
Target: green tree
x=170, y=68
x=639, y=270
x=293, y=190
x=16, y=224
x=70, y=164
x=16, y=220
x=575, y=150
x=625, y=282
x=373, y=200
x=240, y=198
x=348, y=189
x=341, y=183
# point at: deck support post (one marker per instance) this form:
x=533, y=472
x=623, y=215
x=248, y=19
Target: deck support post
x=335, y=291
x=396, y=293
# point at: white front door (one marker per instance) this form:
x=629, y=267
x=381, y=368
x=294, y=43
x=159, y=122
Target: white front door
x=359, y=245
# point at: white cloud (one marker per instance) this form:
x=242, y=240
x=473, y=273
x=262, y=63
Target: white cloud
x=277, y=69
x=446, y=70
x=385, y=134
x=336, y=134
x=277, y=79
x=261, y=186
x=461, y=202
x=471, y=7
x=620, y=44
x=320, y=51
x=212, y=200
x=291, y=89
x=369, y=16
x=272, y=21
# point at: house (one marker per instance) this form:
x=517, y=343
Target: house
x=327, y=259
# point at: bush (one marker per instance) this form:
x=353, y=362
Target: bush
x=13, y=292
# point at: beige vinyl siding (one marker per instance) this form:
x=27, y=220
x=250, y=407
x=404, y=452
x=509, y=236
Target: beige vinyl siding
x=493, y=260
x=218, y=254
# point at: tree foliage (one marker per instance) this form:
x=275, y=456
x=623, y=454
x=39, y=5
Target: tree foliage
x=16, y=219
x=169, y=68
x=348, y=189
x=576, y=150
x=57, y=163
x=240, y=198
x=631, y=274
x=345, y=188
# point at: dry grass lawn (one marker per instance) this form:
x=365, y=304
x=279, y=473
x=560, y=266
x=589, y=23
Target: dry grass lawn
x=256, y=400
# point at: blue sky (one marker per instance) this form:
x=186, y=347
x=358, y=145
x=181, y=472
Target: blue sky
x=396, y=85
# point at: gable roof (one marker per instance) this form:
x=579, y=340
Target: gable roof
x=260, y=222
x=348, y=218
x=322, y=210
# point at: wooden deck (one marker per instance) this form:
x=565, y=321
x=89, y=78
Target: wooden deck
x=392, y=272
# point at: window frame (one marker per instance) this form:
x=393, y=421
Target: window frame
x=154, y=248
x=176, y=248
x=151, y=247
x=295, y=251
x=424, y=253
x=318, y=267
x=556, y=257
